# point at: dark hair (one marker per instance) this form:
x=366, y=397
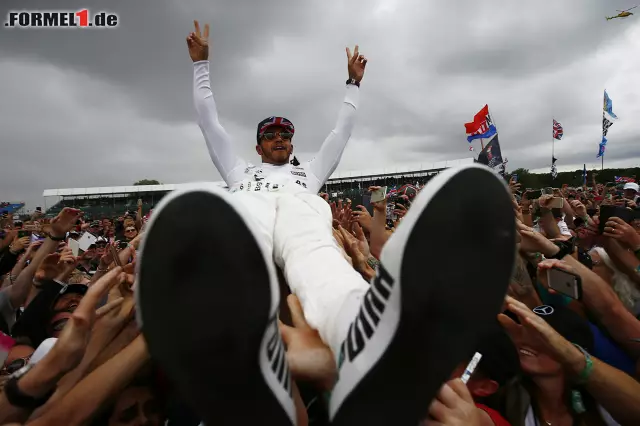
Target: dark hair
x=500, y=360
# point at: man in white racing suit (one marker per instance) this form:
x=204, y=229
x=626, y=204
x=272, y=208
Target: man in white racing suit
x=394, y=342
x=295, y=223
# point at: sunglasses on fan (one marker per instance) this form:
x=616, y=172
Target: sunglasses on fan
x=272, y=135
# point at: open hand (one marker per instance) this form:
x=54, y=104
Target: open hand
x=537, y=332
x=72, y=343
x=356, y=64
x=198, y=43
x=65, y=221
x=620, y=230
x=308, y=357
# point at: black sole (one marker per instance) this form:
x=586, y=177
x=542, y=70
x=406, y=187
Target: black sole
x=205, y=301
x=454, y=273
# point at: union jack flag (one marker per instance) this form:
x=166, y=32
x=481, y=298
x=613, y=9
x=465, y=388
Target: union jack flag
x=623, y=179
x=557, y=130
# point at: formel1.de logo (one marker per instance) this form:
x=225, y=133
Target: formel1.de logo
x=60, y=19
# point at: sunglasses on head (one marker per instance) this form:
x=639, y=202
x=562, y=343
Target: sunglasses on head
x=272, y=135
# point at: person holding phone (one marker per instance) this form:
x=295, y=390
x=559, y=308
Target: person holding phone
x=272, y=216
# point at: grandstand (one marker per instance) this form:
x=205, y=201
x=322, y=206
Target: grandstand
x=113, y=201
x=109, y=201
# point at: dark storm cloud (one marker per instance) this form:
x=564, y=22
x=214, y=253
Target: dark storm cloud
x=108, y=107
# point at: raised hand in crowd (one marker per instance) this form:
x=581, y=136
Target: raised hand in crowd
x=624, y=233
x=310, y=359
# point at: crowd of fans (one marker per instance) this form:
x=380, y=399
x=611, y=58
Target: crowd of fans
x=76, y=351
x=564, y=349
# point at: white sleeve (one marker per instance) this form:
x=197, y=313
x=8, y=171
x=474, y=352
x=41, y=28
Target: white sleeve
x=220, y=146
x=327, y=159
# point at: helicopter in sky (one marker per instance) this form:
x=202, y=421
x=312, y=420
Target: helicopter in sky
x=622, y=14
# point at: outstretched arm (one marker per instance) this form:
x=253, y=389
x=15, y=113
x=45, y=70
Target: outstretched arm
x=218, y=141
x=327, y=159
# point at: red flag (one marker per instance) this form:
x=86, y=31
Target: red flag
x=479, y=120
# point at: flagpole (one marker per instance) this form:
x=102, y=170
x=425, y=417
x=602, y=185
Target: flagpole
x=553, y=146
x=482, y=144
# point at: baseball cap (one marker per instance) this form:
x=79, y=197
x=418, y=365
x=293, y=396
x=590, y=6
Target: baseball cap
x=568, y=324
x=271, y=122
x=631, y=185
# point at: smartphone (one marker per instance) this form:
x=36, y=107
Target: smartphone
x=534, y=194
x=24, y=233
x=547, y=191
x=565, y=283
x=556, y=203
x=391, y=216
x=514, y=177
x=74, y=246
x=139, y=202
x=123, y=245
x=379, y=195
x=608, y=211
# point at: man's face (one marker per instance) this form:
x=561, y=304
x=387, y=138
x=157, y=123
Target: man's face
x=62, y=310
x=136, y=406
x=630, y=194
x=275, y=145
x=101, y=248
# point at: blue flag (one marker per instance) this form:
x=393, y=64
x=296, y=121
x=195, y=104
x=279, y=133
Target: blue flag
x=608, y=105
x=602, y=147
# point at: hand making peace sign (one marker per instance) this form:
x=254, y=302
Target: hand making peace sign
x=356, y=64
x=198, y=43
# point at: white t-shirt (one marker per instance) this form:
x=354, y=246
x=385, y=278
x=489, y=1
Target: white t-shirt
x=530, y=419
x=243, y=176
x=564, y=229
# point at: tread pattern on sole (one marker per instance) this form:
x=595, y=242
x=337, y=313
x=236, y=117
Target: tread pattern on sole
x=223, y=319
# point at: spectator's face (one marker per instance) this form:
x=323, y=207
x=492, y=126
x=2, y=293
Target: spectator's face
x=536, y=363
x=100, y=249
x=630, y=194
x=130, y=232
x=106, y=222
x=276, y=150
x=62, y=310
x=136, y=406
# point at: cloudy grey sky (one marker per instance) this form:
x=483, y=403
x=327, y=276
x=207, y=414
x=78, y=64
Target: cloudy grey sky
x=89, y=107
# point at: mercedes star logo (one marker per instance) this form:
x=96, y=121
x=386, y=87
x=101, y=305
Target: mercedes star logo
x=543, y=310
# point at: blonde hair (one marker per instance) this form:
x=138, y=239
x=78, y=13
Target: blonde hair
x=622, y=285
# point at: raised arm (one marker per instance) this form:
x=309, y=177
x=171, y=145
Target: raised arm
x=327, y=159
x=218, y=141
